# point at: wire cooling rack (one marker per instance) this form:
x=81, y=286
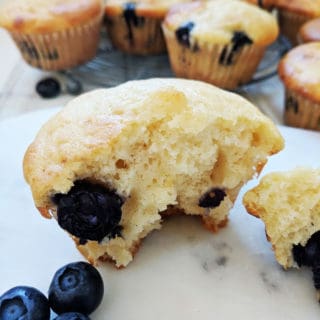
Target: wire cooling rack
x=111, y=67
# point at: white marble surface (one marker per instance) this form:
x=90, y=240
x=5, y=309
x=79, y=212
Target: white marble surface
x=180, y=272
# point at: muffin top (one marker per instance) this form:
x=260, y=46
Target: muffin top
x=76, y=143
x=220, y=21
x=146, y=8
x=310, y=8
x=299, y=70
x=310, y=31
x=41, y=16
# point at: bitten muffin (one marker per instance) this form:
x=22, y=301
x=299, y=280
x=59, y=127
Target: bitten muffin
x=299, y=72
x=293, y=14
x=114, y=161
x=211, y=41
x=135, y=26
x=310, y=31
x=289, y=205
x=54, y=35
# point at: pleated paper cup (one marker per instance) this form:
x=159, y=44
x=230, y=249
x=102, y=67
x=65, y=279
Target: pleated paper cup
x=60, y=50
x=301, y=112
x=214, y=63
x=141, y=37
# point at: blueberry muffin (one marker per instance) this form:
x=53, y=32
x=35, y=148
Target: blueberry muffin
x=135, y=26
x=293, y=14
x=289, y=205
x=310, y=31
x=114, y=161
x=54, y=35
x=211, y=41
x=299, y=72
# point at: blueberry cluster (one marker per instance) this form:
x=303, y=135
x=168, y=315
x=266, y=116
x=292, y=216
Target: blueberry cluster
x=89, y=211
x=76, y=290
x=309, y=256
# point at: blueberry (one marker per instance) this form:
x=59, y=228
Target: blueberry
x=212, y=198
x=309, y=255
x=292, y=103
x=238, y=41
x=72, y=316
x=89, y=211
x=24, y=303
x=316, y=276
x=131, y=19
x=48, y=88
x=76, y=287
x=183, y=33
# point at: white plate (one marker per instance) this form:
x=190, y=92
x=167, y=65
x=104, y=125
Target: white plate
x=180, y=272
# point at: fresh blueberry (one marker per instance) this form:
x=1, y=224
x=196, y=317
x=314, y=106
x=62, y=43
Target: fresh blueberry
x=48, y=88
x=89, y=211
x=76, y=287
x=309, y=255
x=24, y=303
x=72, y=316
x=212, y=198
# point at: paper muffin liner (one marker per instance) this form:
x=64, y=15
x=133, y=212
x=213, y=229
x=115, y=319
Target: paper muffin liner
x=290, y=24
x=61, y=49
x=300, y=111
x=142, y=36
x=214, y=63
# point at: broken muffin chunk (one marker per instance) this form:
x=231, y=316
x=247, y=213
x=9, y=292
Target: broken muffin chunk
x=289, y=205
x=114, y=161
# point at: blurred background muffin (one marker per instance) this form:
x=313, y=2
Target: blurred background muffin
x=294, y=13
x=299, y=72
x=310, y=31
x=54, y=35
x=213, y=42
x=135, y=26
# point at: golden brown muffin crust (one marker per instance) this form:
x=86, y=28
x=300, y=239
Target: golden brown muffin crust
x=299, y=70
x=216, y=21
x=41, y=16
x=310, y=31
x=310, y=8
x=147, y=8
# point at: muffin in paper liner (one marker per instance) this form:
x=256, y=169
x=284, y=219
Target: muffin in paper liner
x=209, y=41
x=299, y=72
x=310, y=31
x=293, y=14
x=54, y=35
x=61, y=49
x=135, y=27
x=290, y=24
x=217, y=64
x=301, y=112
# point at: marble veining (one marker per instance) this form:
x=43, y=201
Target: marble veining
x=182, y=271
